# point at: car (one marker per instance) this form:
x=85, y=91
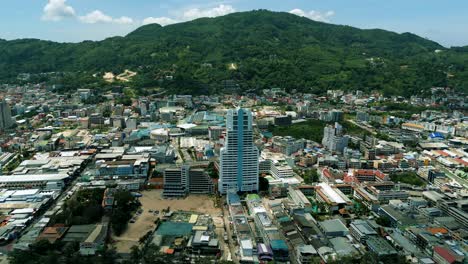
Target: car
x=133, y=220
x=156, y=212
x=150, y=211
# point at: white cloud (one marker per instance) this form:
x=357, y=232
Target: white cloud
x=123, y=20
x=56, y=10
x=314, y=15
x=220, y=10
x=163, y=21
x=191, y=14
x=97, y=16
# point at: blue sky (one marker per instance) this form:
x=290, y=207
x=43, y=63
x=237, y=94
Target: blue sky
x=75, y=20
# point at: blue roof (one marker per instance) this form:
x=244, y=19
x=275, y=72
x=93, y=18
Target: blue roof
x=233, y=198
x=284, y=219
x=278, y=244
x=174, y=229
x=267, y=134
x=436, y=135
x=209, y=153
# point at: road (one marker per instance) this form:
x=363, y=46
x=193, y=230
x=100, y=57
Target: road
x=452, y=176
x=372, y=131
x=227, y=225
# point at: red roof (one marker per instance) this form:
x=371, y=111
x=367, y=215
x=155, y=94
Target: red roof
x=365, y=172
x=445, y=254
x=376, y=173
x=156, y=179
x=379, y=174
x=443, y=153
x=461, y=161
x=327, y=173
x=350, y=179
x=435, y=230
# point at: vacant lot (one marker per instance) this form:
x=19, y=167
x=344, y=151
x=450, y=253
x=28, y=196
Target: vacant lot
x=311, y=129
x=152, y=200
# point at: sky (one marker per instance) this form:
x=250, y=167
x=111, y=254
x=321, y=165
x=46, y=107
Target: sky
x=76, y=20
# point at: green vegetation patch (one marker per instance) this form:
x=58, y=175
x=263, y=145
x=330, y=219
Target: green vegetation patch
x=311, y=129
x=407, y=177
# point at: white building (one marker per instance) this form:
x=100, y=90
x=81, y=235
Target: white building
x=239, y=157
x=333, y=138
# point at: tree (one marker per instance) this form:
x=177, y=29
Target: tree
x=124, y=205
x=383, y=221
x=263, y=184
x=407, y=177
x=212, y=172
x=310, y=176
x=83, y=208
x=45, y=252
x=312, y=58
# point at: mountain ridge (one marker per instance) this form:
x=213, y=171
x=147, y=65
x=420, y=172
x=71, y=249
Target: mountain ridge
x=270, y=49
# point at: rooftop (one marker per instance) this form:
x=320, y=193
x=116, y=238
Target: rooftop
x=363, y=227
x=333, y=225
x=380, y=246
x=174, y=229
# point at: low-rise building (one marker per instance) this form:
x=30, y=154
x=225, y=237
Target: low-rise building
x=361, y=230
x=380, y=246
x=333, y=228
x=179, y=182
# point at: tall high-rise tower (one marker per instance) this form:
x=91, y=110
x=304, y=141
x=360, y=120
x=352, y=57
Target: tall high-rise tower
x=239, y=156
x=333, y=138
x=5, y=115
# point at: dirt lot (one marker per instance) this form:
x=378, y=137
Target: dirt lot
x=152, y=200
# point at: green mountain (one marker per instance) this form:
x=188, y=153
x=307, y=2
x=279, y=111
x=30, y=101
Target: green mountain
x=256, y=49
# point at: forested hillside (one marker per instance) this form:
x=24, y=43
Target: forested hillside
x=257, y=49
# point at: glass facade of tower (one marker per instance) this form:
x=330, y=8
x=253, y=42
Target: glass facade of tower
x=239, y=156
x=5, y=115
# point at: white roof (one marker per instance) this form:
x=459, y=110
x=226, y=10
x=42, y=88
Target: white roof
x=168, y=109
x=259, y=210
x=33, y=178
x=7, y=193
x=34, y=162
x=246, y=244
x=290, y=180
x=160, y=131
x=23, y=211
x=186, y=126
x=26, y=192
x=334, y=196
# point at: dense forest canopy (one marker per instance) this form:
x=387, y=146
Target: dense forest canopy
x=257, y=49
